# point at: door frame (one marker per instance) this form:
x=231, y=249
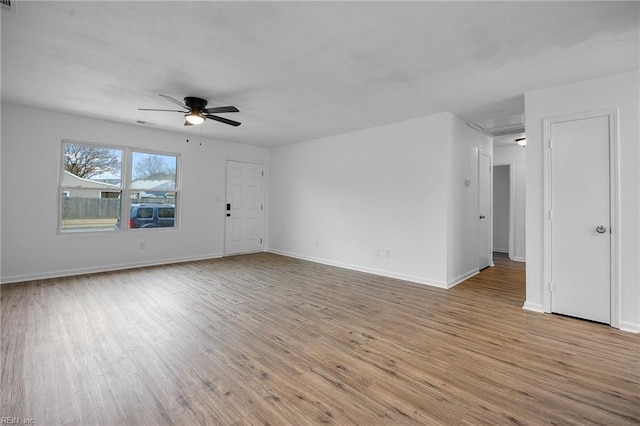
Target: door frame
x=614, y=205
x=490, y=157
x=224, y=211
x=512, y=206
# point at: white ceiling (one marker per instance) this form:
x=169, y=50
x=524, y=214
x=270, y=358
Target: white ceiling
x=304, y=70
x=507, y=140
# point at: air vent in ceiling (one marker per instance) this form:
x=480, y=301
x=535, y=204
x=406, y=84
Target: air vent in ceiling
x=500, y=126
x=9, y=5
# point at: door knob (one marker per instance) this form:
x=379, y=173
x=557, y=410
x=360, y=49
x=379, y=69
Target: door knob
x=601, y=229
x=482, y=216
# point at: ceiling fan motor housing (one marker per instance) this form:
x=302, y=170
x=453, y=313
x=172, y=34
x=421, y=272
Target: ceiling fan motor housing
x=195, y=103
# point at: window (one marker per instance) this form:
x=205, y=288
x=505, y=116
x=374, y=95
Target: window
x=154, y=178
x=153, y=184
x=96, y=179
x=89, y=172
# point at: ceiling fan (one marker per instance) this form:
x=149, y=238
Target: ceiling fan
x=197, y=111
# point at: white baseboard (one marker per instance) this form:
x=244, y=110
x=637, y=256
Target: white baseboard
x=631, y=327
x=98, y=269
x=535, y=307
x=518, y=259
x=501, y=250
x=462, y=278
x=389, y=274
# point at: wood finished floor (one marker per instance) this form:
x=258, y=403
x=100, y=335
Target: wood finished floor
x=264, y=339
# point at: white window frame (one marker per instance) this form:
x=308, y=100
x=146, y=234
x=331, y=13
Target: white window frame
x=126, y=175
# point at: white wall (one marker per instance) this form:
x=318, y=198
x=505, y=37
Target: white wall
x=346, y=199
x=619, y=91
x=462, y=212
x=31, y=152
x=516, y=156
x=379, y=188
x=501, y=192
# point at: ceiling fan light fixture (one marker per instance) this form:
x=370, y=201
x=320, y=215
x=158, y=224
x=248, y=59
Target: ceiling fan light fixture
x=194, y=117
x=522, y=142
x=195, y=110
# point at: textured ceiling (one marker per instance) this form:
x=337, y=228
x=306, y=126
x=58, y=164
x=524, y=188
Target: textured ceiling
x=304, y=70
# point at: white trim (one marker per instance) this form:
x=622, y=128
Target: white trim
x=534, y=307
x=461, y=278
x=380, y=272
x=519, y=259
x=100, y=269
x=631, y=327
x=612, y=114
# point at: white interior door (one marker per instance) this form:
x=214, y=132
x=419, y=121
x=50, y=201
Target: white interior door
x=245, y=207
x=485, y=257
x=580, y=218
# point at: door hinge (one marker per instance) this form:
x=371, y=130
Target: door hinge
x=550, y=214
x=261, y=206
x=262, y=174
x=551, y=287
x=550, y=143
x=260, y=240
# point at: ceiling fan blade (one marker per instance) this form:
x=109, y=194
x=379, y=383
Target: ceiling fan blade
x=222, y=120
x=175, y=101
x=167, y=110
x=215, y=110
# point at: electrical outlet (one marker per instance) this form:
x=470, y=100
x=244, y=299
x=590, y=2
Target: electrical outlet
x=387, y=252
x=317, y=243
x=376, y=252
x=143, y=245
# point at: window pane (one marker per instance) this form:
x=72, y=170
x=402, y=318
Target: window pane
x=155, y=172
x=90, y=166
x=159, y=214
x=86, y=210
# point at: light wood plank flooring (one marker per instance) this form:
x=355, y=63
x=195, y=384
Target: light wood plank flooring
x=265, y=339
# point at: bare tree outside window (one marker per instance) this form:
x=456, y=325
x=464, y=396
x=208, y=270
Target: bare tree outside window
x=154, y=167
x=87, y=161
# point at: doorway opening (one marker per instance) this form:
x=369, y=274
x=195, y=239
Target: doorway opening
x=503, y=209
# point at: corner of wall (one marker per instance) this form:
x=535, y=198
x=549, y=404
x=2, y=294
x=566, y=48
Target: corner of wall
x=462, y=200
